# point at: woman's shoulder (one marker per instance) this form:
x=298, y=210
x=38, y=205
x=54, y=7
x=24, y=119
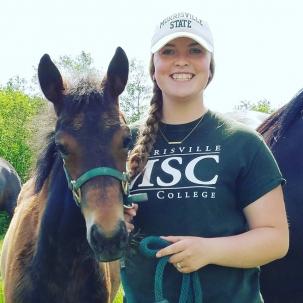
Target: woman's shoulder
x=231, y=127
x=225, y=129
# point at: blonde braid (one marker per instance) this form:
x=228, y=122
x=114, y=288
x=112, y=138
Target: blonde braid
x=147, y=135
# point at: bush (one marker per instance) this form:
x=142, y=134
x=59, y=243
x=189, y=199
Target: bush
x=16, y=112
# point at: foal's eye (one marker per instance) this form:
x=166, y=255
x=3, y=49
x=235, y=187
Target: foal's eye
x=62, y=149
x=127, y=142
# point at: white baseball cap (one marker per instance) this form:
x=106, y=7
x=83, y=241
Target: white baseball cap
x=182, y=25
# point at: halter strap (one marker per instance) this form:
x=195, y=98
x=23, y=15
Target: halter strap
x=75, y=185
x=98, y=171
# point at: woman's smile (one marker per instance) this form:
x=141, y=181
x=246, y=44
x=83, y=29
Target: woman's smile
x=182, y=76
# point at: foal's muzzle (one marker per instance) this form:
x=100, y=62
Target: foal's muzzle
x=108, y=248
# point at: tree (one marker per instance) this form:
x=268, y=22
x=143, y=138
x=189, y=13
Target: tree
x=263, y=106
x=134, y=99
x=16, y=83
x=80, y=65
x=16, y=113
x=71, y=68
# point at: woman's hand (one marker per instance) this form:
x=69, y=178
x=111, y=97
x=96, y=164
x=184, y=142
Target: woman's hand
x=265, y=241
x=188, y=254
x=129, y=214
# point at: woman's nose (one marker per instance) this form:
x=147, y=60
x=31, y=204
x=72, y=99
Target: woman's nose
x=181, y=60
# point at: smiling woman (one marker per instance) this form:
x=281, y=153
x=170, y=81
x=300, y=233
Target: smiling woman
x=213, y=186
x=182, y=69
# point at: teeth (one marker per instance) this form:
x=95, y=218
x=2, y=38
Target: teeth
x=182, y=77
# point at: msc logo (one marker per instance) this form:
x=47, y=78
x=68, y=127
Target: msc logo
x=175, y=173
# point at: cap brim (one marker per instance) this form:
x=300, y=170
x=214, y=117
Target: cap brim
x=173, y=36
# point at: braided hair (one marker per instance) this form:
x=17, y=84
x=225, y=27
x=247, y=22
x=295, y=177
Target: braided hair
x=147, y=134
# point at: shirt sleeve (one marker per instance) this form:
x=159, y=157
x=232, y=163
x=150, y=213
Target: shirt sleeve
x=259, y=176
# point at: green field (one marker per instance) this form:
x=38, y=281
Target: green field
x=1, y=285
x=3, y=227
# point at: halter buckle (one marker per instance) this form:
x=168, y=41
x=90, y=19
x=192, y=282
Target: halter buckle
x=76, y=192
x=125, y=185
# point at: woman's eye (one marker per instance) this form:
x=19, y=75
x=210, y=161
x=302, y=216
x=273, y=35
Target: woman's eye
x=127, y=142
x=167, y=51
x=196, y=50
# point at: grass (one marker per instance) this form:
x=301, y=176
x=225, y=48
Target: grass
x=1, y=284
x=119, y=296
x=4, y=221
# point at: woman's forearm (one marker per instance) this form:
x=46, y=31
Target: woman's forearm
x=250, y=249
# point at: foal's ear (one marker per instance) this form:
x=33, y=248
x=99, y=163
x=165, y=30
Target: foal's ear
x=50, y=81
x=117, y=73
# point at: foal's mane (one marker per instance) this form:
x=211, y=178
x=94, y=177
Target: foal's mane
x=274, y=127
x=79, y=96
x=45, y=162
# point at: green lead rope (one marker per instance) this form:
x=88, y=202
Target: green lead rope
x=191, y=291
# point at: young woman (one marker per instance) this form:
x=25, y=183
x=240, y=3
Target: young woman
x=214, y=189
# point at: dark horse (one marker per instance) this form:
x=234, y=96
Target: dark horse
x=10, y=186
x=282, y=280
x=57, y=250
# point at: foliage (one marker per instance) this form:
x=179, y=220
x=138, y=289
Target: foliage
x=4, y=222
x=16, y=112
x=263, y=106
x=79, y=65
x=119, y=296
x=16, y=83
x=137, y=92
x=70, y=67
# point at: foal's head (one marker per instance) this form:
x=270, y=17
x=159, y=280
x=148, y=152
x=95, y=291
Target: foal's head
x=91, y=133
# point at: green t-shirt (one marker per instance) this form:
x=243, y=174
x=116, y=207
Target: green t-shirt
x=199, y=188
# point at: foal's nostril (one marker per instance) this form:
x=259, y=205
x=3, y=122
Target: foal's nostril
x=113, y=244
x=96, y=237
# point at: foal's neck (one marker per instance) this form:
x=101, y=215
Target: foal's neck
x=64, y=268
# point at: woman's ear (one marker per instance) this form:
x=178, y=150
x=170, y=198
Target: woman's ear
x=210, y=75
x=153, y=77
